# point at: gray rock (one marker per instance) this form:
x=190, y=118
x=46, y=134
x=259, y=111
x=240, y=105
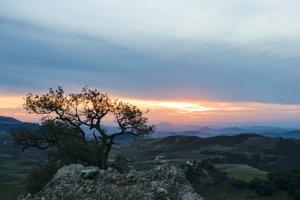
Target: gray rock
x=90, y=172
x=68, y=170
x=88, y=183
x=161, y=191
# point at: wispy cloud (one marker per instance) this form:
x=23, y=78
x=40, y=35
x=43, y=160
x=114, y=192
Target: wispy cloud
x=218, y=51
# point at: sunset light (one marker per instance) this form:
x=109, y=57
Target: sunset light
x=171, y=105
x=182, y=112
x=188, y=107
x=148, y=89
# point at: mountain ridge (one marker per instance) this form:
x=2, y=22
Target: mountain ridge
x=9, y=123
x=207, y=131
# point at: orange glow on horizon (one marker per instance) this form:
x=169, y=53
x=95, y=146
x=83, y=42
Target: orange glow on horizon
x=180, y=112
x=180, y=106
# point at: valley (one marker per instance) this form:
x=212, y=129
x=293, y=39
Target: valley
x=243, y=157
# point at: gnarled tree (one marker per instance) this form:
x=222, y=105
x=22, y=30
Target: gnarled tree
x=88, y=108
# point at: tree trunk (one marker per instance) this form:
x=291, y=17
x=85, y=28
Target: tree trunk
x=103, y=157
x=102, y=163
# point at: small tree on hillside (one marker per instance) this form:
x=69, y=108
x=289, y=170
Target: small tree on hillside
x=88, y=108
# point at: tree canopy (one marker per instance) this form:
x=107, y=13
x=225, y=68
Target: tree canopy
x=87, y=108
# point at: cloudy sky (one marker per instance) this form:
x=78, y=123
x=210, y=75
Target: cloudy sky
x=192, y=61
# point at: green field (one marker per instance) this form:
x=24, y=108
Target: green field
x=10, y=188
x=144, y=166
x=242, y=172
x=246, y=176
x=12, y=175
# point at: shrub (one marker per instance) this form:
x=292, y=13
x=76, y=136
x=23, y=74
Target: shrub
x=266, y=188
x=204, y=173
x=296, y=195
x=40, y=176
x=281, y=183
x=254, y=183
x=239, y=184
x=120, y=163
x=286, y=180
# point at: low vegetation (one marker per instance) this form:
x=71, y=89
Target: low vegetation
x=144, y=166
x=288, y=181
x=242, y=172
x=39, y=176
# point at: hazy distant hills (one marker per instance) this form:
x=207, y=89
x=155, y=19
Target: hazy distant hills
x=166, y=129
x=9, y=123
x=8, y=152
x=4, y=119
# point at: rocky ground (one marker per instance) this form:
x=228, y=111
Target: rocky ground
x=78, y=182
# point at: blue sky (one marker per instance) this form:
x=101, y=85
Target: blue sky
x=227, y=51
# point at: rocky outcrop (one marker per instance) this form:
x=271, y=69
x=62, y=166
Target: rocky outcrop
x=78, y=182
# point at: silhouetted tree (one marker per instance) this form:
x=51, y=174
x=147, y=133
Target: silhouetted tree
x=85, y=109
x=60, y=140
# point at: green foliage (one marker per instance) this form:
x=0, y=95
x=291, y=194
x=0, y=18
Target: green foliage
x=10, y=189
x=75, y=111
x=262, y=188
x=12, y=181
x=144, y=166
x=296, y=195
x=204, y=173
x=239, y=184
x=40, y=176
x=61, y=142
x=247, y=176
x=72, y=150
x=285, y=180
x=120, y=164
x=254, y=183
x=266, y=188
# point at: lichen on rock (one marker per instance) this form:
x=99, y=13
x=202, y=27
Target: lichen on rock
x=78, y=182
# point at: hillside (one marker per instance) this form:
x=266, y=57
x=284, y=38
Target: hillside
x=251, y=149
x=9, y=123
x=14, y=164
x=8, y=151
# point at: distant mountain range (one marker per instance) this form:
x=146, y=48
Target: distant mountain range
x=167, y=129
x=9, y=123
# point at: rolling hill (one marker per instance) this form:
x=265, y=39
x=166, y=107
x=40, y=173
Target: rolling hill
x=250, y=149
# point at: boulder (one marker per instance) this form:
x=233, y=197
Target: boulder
x=90, y=172
x=78, y=182
x=68, y=170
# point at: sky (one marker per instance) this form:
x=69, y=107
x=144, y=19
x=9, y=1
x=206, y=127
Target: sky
x=189, y=62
